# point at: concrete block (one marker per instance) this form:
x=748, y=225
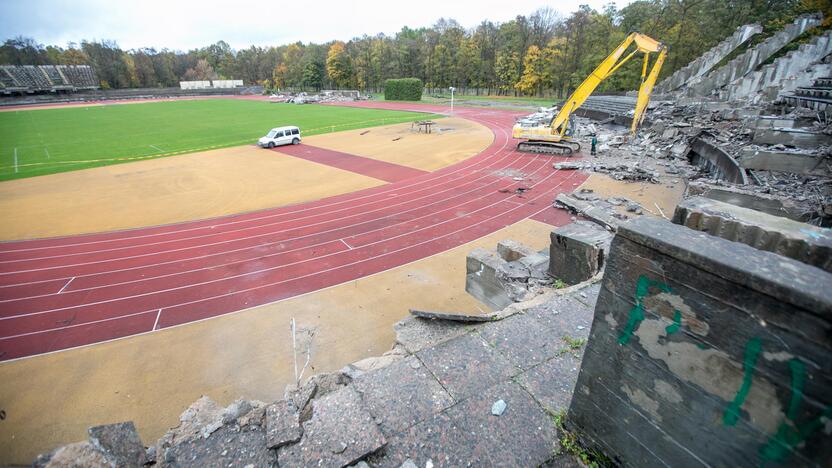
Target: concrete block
x=797, y=137
x=803, y=242
x=576, y=253
x=511, y=250
x=783, y=161
x=706, y=352
x=481, y=278
x=499, y=279
x=769, y=204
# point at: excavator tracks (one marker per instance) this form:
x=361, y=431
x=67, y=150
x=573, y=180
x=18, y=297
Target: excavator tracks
x=546, y=147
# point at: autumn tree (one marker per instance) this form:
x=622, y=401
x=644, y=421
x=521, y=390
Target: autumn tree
x=339, y=65
x=533, y=69
x=201, y=72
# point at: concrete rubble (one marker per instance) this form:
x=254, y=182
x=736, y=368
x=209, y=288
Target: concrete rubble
x=448, y=393
x=779, y=153
x=322, y=96
x=512, y=273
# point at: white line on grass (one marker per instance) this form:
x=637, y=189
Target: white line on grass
x=46, y=151
x=15, y=160
x=157, y=148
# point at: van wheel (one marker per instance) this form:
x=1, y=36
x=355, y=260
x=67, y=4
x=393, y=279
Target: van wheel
x=295, y=141
x=271, y=144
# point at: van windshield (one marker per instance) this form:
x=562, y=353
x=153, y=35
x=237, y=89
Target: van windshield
x=271, y=134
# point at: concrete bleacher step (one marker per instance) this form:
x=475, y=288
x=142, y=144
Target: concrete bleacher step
x=784, y=75
x=709, y=59
x=736, y=69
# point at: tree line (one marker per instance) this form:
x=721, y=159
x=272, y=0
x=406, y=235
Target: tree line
x=541, y=53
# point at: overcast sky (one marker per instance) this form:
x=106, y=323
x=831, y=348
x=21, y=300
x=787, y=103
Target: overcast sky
x=185, y=25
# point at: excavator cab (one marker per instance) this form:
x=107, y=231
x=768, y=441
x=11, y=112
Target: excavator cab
x=556, y=136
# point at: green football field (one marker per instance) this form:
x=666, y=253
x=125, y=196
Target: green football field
x=45, y=141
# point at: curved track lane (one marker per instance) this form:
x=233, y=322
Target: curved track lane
x=65, y=292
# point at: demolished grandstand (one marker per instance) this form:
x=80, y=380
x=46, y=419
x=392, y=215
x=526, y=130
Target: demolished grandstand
x=28, y=79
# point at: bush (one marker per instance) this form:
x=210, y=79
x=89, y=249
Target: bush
x=403, y=89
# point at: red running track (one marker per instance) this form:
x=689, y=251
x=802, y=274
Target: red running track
x=381, y=170
x=66, y=292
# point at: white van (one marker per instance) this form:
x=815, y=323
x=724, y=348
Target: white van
x=280, y=136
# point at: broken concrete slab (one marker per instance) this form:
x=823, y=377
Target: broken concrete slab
x=796, y=137
x=449, y=316
x=576, y=252
x=282, y=424
x=466, y=365
x=499, y=283
x=616, y=170
x=80, y=454
x=469, y=435
x=370, y=364
x=341, y=432
x=227, y=446
x=316, y=387
x=481, y=280
x=416, y=334
x=775, y=206
x=522, y=340
x=402, y=395
x=716, y=161
x=511, y=250
x=588, y=210
x=553, y=382
x=805, y=243
x=784, y=161
x=120, y=443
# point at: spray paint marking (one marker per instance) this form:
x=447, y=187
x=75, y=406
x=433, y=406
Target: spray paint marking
x=643, y=286
x=790, y=434
x=677, y=323
x=752, y=350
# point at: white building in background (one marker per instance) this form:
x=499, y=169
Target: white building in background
x=215, y=84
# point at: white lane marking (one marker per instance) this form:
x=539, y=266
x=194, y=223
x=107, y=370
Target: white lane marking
x=156, y=323
x=277, y=253
x=284, y=281
x=330, y=220
x=274, y=254
x=300, y=262
x=15, y=160
x=393, y=191
x=67, y=284
x=345, y=243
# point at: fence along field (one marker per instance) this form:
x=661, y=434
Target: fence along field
x=46, y=141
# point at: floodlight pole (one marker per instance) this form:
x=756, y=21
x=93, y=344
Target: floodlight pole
x=452, y=98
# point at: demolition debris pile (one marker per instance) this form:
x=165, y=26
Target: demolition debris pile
x=323, y=96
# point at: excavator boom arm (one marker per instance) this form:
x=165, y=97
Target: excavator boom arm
x=610, y=64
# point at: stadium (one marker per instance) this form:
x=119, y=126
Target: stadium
x=504, y=244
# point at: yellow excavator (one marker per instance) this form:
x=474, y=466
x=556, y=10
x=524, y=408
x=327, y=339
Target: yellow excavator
x=556, y=135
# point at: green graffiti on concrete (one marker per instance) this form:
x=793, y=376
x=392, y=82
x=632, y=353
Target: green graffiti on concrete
x=676, y=325
x=643, y=286
x=790, y=434
x=752, y=350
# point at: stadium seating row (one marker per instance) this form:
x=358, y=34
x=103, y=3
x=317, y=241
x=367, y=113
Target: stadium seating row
x=31, y=78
